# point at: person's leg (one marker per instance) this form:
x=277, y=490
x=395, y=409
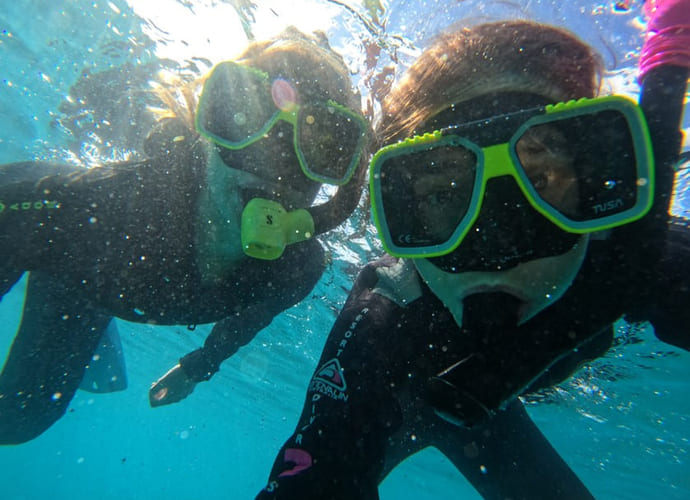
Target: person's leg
x=56, y=339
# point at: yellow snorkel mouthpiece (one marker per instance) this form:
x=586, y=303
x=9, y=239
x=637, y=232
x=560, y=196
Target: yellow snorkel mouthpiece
x=267, y=228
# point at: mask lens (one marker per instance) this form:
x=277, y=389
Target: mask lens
x=235, y=105
x=425, y=195
x=583, y=167
x=330, y=141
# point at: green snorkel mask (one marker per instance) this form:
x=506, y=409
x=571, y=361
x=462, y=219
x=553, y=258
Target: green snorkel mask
x=239, y=105
x=427, y=191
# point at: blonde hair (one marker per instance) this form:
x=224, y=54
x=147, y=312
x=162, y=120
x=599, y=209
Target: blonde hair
x=307, y=61
x=509, y=56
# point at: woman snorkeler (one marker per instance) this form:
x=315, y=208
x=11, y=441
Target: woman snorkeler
x=524, y=214
x=217, y=225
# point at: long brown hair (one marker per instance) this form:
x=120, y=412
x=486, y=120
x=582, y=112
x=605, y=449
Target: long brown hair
x=492, y=57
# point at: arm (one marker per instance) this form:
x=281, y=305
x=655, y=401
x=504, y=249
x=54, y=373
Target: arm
x=338, y=447
x=664, y=72
x=667, y=308
x=664, y=68
x=24, y=207
x=278, y=286
x=507, y=456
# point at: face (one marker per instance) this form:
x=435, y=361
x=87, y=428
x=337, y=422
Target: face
x=543, y=153
x=274, y=167
x=508, y=230
x=511, y=248
x=279, y=129
x=439, y=191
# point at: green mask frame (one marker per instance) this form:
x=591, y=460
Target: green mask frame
x=427, y=191
x=240, y=104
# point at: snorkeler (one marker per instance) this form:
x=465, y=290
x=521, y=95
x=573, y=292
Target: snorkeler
x=217, y=225
x=520, y=229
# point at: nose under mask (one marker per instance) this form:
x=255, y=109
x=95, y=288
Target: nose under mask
x=507, y=232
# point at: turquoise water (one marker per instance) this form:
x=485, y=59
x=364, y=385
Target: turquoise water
x=621, y=423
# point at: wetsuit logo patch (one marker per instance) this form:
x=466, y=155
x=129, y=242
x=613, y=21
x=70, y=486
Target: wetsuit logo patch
x=330, y=380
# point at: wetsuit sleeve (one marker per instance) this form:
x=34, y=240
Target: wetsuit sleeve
x=337, y=450
x=279, y=286
x=667, y=292
x=25, y=207
x=507, y=456
x=49, y=211
x=668, y=303
x=226, y=337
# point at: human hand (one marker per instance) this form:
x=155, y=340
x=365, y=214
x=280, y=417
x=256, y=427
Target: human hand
x=172, y=387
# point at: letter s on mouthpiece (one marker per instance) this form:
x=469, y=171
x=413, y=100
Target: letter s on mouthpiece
x=267, y=228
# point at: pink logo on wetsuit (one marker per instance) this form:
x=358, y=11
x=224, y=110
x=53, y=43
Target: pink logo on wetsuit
x=301, y=458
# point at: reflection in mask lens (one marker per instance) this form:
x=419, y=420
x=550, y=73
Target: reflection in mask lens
x=425, y=195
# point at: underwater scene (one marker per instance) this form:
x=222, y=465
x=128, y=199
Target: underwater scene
x=85, y=84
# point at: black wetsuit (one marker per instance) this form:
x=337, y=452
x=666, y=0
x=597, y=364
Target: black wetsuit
x=393, y=358
x=370, y=393
x=118, y=242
